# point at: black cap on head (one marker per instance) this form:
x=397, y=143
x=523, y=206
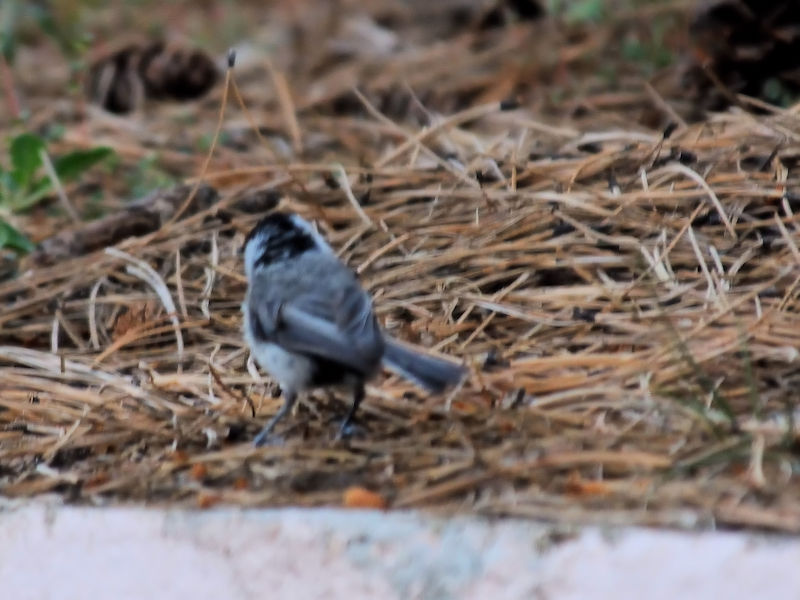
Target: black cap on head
x=279, y=236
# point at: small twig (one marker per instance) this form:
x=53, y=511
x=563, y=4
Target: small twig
x=7, y=78
x=62, y=195
x=287, y=105
x=234, y=393
x=345, y=183
x=207, y=160
x=696, y=177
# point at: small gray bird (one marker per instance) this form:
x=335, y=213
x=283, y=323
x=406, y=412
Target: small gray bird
x=309, y=323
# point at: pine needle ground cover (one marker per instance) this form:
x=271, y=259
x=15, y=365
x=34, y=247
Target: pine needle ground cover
x=624, y=293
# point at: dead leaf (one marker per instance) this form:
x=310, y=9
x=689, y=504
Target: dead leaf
x=135, y=318
x=359, y=497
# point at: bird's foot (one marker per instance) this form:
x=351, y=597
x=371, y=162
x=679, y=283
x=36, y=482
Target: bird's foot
x=266, y=437
x=349, y=429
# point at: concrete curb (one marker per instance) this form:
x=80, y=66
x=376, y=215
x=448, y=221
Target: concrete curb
x=69, y=553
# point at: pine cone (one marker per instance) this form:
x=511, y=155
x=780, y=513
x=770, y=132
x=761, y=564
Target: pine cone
x=121, y=80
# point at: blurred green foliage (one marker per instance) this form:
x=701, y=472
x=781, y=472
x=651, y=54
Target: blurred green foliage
x=578, y=11
x=147, y=176
x=22, y=20
x=23, y=185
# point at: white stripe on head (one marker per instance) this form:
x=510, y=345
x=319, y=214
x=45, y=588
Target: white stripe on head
x=311, y=230
x=279, y=236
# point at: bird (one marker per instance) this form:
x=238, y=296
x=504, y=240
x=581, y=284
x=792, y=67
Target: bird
x=310, y=324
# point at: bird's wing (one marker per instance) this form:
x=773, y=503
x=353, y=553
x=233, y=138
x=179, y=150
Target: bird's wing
x=338, y=326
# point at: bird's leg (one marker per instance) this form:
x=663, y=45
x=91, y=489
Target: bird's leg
x=289, y=398
x=358, y=396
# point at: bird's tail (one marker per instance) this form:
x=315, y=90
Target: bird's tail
x=431, y=372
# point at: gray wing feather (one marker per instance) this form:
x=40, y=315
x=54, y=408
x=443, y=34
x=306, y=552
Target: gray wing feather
x=340, y=327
